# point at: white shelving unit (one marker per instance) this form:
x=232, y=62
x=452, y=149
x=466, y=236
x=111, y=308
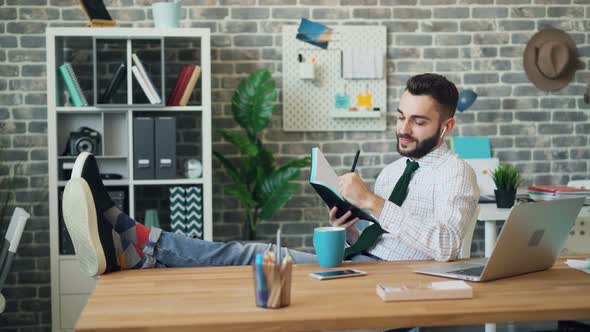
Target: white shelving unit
x=69, y=287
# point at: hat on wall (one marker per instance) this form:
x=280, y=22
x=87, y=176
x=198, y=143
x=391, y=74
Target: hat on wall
x=550, y=59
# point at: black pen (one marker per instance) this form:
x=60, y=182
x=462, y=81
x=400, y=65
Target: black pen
x=356, y=158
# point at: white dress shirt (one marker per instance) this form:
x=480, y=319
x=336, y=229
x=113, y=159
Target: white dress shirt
x=442, y=199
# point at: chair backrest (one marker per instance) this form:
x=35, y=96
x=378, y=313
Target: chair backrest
x=465, y=251
x=578, y=242
x=11, y=241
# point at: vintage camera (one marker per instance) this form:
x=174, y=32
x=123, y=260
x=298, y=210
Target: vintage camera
x=84, y=140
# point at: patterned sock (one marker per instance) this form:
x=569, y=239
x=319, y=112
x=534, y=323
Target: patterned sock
x=129, y=238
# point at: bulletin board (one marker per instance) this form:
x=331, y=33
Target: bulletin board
x=310, y=105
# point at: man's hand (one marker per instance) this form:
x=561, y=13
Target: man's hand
x=356, y=192
x=342, y=221
x=352, y=233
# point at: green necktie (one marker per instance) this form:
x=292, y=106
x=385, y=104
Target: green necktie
x=398, y=195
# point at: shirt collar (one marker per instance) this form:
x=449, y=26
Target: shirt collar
x=434, y=157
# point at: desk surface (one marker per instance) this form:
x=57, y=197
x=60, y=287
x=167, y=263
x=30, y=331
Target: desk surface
x=222, y=298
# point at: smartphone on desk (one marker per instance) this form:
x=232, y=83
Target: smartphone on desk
x=337, y=274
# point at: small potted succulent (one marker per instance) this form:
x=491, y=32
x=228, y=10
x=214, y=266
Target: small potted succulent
x=507, y=179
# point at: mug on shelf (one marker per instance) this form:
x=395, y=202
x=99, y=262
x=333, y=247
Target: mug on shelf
x=166, y=14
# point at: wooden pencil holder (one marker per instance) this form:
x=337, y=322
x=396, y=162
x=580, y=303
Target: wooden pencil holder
x=272, y=285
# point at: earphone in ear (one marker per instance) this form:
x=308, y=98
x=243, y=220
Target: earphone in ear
x=443, y=132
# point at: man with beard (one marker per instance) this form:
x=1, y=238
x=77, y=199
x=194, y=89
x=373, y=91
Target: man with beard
x=423, y=201
x=437, y=189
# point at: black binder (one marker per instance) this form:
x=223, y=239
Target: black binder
x=143, y=148
x=165, y=143
x=113, y=84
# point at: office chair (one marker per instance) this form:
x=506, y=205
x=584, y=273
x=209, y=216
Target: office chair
x=465, y=251
x=578, y=240
x=11, y=241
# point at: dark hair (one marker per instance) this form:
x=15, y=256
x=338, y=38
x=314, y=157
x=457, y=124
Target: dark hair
x=438, y=87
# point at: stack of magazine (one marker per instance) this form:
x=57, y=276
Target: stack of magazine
x=548, y=193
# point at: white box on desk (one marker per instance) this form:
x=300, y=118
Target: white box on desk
x=442, y=290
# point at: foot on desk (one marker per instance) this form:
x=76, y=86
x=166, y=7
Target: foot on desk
x=85, y=227
x=117, y=240
x=86, y=168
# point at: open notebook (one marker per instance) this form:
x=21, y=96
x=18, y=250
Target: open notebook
x=325, y=182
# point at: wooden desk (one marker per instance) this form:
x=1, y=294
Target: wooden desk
x=222, y=299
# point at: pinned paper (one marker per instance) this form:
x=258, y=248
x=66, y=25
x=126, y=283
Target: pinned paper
x=314, y=33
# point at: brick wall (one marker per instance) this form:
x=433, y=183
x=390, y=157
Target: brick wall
x=476, y=43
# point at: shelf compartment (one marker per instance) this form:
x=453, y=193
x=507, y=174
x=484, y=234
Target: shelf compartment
x=179, y=52
x=170, y=182
x=188, y=140
x=116, y=134
x=71, y=124
x=110, y=55
x=158, y=198
x=97, y=157
x=114, y=166
x=107, y=183
x=119, y=108
x=78, y=51
x=150, y=53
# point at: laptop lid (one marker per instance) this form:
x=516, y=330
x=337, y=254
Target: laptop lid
x=483, y=169
x=532, y=237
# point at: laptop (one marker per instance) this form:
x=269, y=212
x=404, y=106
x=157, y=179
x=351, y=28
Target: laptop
x=483, y=169
x=530, y=241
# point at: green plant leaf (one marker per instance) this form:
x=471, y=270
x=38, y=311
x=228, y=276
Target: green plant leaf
x=243, y=194
x=506, y=177
x=299, y=163
x=233, y=173
x=254, y=101
x=266, y=161
x=275, y=183
x=241, y=142
x=277, y=201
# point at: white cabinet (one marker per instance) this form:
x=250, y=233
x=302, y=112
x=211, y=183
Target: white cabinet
x=95, y=54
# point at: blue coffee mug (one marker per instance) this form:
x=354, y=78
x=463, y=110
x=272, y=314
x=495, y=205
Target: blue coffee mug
x=166, y=14
x=329, y=245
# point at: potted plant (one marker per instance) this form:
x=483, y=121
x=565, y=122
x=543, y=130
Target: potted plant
x=507, y=179
x=261, y=186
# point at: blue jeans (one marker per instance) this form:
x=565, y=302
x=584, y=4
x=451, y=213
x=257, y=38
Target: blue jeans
x=172, y=250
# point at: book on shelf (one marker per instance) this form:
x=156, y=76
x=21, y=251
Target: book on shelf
x=73, y=85
x=190, y=87
x=114, y=84
x=324, y=181
x=181, y=83
x=143, y=84
x=146, y=78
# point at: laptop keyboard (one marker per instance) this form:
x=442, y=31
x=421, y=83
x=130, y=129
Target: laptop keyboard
x=472, y=271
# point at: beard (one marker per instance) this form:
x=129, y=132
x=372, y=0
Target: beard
x=422, y=148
